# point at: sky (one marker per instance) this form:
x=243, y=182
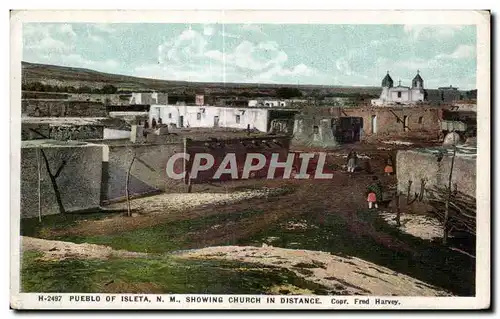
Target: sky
x=333, y=54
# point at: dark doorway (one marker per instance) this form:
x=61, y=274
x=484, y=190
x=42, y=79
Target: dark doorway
x=181, y=121
x=348, y=129
x=280, y=115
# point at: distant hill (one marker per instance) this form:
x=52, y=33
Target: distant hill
x=78, y=77
x=62, y=76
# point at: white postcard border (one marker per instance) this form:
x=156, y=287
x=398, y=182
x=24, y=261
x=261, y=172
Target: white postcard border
x=432, y=17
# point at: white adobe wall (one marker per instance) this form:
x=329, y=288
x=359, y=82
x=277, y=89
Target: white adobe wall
x=405, y=96
x=257, y=118
x=416, y=95
x=112, y=134
x=253, y=103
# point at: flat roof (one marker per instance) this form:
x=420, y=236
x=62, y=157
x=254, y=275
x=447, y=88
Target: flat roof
x=466, y=151
x=232, y=107
x=125, y=113
x=63, y=120
x=49, y=143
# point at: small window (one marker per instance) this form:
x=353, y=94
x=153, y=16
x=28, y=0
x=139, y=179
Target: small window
x=198, y=116
x=237, y=119
x=316, y=129
x=421, y=120
x=169, y=115
x=399, y=94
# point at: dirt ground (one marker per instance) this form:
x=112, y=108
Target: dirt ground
x=59, y=250
x=349, y=276
x=344, y=194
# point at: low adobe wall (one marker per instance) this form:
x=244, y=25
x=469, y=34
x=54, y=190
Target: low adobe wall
x=414, y=165
x=148, y=173
x=79, y=182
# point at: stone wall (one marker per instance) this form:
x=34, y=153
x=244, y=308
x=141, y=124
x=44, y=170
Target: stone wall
x=62, y=108
x=44, y=95
x=148, y=173
x=131, y=117
x=61, y=132
x=413, y=165
x=34, y=131
x=79, y=181
x=73, y=132
x=106, y=99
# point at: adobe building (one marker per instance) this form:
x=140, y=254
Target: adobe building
x=416, y=120
x=332, y=126
x=148, y=98
x=210, y=116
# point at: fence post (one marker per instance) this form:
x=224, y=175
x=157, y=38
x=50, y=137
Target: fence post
x=447, y=205
x=39, y=185
x=129, y=213
x=398, y=209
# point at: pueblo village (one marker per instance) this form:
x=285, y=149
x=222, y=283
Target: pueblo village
x=120, y=191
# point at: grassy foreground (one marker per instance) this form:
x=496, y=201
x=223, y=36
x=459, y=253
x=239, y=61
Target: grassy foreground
x=329, y=232
x=157, y=275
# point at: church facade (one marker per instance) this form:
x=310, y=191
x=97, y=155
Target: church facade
x=405, y=95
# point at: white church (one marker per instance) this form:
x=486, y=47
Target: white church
x=392, y=95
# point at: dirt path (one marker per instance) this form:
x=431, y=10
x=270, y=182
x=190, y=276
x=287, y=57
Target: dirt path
x=349, y=276
x=58, y=250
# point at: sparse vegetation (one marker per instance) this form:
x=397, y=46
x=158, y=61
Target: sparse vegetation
x=434, y=264
x=288, y=93
x=159, y=275
x=40, y=87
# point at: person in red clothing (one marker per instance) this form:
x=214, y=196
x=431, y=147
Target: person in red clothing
x=389, y=170
x=374, y=193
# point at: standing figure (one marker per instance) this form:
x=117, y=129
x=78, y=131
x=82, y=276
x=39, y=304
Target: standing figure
x=374, y=193
x=160, y=121
x=153, y=123
x=146, y=127
x=388, y=170
x=352, y=159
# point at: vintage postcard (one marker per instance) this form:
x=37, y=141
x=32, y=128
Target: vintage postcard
x=250, y=160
